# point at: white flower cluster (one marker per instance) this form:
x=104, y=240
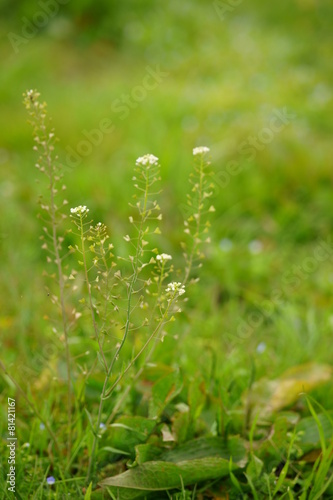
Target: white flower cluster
x=147, y=160
x=80, y=211
x=163, y=257
x=200, y=150
x=176, y=287
x=32, y=93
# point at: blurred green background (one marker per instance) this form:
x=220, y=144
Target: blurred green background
x=225, y=69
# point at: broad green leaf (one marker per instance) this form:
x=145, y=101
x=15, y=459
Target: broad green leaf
x=127, y=432
x=180, y=425
x=270, y=450
x=309, y=430
x=254, y=468
x=164, y=391
x=146, y=453
x=159, y=476
x=196, y=448
x=207, y=447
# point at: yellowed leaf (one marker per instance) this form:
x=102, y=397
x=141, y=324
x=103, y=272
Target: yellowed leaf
x=268, y=396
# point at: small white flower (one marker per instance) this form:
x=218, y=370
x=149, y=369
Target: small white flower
x=147, y=160
x=163, y=257
x=200, y=150
x=80, y=211
x=176, y=287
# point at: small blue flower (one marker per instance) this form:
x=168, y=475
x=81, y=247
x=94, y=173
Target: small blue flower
x=261, y=347
x=255, y=247
x=102, y=426
x=226, y=245
x=41, y=426
x=50, y=480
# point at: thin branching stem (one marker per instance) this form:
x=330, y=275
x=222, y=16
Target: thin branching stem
x=130, y=292
x=38, y=113
x=188, y=270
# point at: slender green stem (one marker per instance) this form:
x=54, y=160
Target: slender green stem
x=91, y=306
x=139, y=372
x=127, y=326
x=143, y=348
x=198, y=219
x=61, y=290
x=152, y=350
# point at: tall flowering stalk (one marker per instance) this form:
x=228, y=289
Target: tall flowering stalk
x=79, y=214
x=197, y=224
x=53, y=215
x=146, y=224
x=196, y=228
x=122, y=294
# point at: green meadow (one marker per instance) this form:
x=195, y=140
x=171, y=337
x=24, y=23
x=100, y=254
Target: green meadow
x=236, y=399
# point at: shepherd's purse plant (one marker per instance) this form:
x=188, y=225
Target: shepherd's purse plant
x=123, y=304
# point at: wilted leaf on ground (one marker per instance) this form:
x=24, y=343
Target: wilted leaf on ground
x=268, y=396
x=311, y=456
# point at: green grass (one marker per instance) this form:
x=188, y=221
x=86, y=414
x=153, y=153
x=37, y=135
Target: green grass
x=224, y=80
